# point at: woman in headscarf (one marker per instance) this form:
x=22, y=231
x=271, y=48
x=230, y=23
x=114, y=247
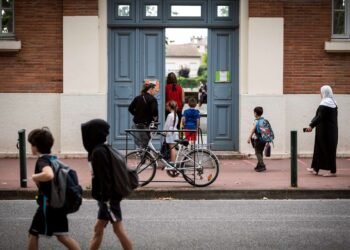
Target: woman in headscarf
x=174, y=92
x=326, y=138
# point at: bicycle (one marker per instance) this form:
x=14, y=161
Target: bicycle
x=198, y=166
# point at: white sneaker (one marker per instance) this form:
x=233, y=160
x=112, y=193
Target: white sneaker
x=311, y=170
x=329, y=175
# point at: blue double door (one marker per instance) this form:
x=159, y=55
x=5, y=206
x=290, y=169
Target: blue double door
x=137, y=54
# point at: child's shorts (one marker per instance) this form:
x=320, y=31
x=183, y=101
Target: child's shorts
x=113, y=214
x=53, y=222
x=190, y=136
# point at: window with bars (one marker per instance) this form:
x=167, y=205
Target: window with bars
x=7, y=27
x=341, y=19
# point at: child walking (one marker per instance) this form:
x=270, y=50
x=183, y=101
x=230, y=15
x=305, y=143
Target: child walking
x=94, y=134
x=171, y=124
x=191, y=120
x=255, y=139
x=47, y=220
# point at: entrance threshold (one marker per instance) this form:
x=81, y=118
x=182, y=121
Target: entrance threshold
x=230, y=155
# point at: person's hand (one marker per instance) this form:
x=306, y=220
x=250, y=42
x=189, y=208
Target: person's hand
x=309, y=129
x=248, y=141
x=36, y=182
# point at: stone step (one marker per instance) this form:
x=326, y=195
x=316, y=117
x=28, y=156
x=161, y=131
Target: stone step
x=230, y=155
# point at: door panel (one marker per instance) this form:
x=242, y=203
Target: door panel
x=124, y=59
x=152, y=59
x=121, y=110
x=223, y=49
x=135, y=55
x=223, y=130
x=223, y=93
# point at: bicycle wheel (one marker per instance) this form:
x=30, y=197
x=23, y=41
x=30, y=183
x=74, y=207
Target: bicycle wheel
x=144, y=164
x=200, y=167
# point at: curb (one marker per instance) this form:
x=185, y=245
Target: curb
x=204, y=194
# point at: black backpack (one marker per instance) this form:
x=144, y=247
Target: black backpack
x=66, y=193
x=124, y=180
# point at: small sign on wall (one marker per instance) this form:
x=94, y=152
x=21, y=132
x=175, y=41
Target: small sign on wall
x=222, y=76
x=152, y=81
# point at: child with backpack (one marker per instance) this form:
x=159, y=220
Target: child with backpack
x=191, y=119
x=47, y=220
x=260, y=134
x=94, y=135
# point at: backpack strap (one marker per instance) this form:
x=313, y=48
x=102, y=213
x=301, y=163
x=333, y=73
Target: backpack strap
x=51, y=158
x=45, y=212
x=257, y=126
x=260, y=120
x=55, y=166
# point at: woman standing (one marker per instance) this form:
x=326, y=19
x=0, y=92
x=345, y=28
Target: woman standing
x=144, y=108
x=174, y=92
x=326, y=138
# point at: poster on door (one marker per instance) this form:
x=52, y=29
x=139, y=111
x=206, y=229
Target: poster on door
x=152, y=81
x=222, y=76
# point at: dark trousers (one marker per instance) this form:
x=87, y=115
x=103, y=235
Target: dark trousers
x=141, y=138
x=259, y=151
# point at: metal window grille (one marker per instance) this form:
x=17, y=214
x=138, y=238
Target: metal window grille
x=341, y=19
x=7, y=19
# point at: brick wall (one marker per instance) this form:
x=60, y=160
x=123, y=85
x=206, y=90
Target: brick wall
x=307, y=25
x=38, y=66
x=265, y=8
x=80, y=7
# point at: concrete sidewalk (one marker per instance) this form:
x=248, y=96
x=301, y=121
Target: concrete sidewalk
x=237, y=180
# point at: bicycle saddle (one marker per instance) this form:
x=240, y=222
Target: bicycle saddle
x=183, y=142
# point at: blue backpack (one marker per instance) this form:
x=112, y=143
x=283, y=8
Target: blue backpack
x=264, y=130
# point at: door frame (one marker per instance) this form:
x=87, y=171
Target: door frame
x=208, y=19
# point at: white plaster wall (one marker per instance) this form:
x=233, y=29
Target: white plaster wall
x=103, y=45
x=81, y=54
x=27, y=111
x=173, y=64
x=292, y=112
x=85, y=76
x=243, y=47
x=343, y=124
x=265, y=56
x=75, y=110
x=274, y=110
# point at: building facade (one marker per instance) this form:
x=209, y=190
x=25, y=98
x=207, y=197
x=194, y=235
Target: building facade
x=182, y=55
x=62, y=62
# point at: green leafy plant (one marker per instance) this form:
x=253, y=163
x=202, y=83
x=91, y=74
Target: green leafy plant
x=188, y=82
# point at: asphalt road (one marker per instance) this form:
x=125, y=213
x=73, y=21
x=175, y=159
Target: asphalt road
x=200, y=224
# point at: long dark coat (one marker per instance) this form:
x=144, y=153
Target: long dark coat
x=326, y=138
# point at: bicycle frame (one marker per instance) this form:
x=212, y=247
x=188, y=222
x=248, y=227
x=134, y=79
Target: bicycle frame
x=157, y=156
